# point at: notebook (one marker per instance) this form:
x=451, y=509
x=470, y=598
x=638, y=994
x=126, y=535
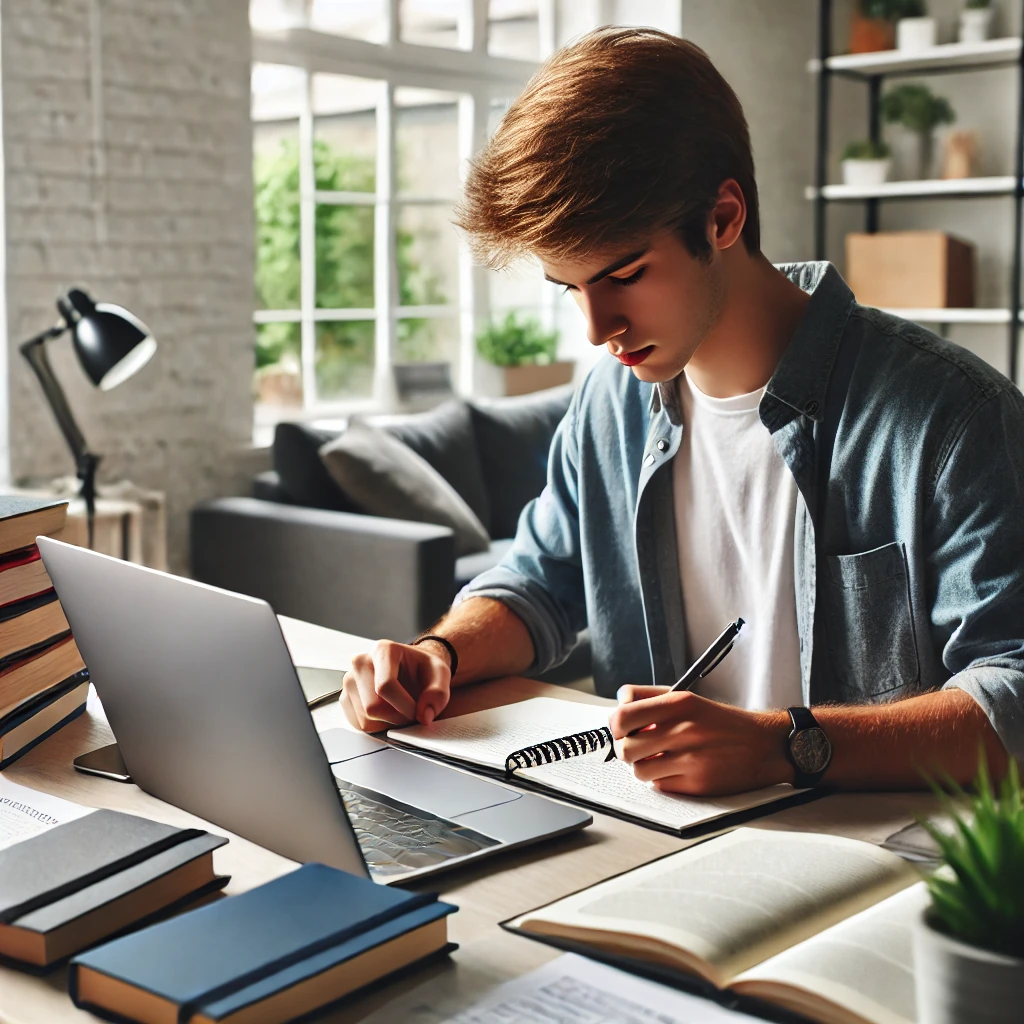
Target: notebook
x=815, y=924
x=488, y=740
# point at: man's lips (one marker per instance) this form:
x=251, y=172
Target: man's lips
x=635, y=358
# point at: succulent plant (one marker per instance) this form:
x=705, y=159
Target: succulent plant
x=866, y=150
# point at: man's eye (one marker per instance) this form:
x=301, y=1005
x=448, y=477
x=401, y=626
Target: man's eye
x=632, y=279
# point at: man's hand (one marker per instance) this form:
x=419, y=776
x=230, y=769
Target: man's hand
x=396, y=684
x=689, y=744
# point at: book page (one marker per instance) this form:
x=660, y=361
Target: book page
x=863, y=965
x=26, y=812
x=728, y=903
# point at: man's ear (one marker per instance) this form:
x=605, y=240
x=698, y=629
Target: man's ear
x=728, y=216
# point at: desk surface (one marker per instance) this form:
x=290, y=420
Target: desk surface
x=485, y=894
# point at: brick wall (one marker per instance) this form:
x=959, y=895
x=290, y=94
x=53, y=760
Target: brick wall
x=128, y=169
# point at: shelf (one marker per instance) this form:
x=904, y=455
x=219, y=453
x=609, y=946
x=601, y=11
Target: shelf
x=1000, y=185
x=953, y=316
x=947, y=57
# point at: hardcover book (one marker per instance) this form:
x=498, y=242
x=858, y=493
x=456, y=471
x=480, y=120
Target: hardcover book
x=22, y=519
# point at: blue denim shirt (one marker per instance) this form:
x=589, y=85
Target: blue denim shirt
x=908, y=455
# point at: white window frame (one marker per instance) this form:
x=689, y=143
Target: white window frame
x=479, y=79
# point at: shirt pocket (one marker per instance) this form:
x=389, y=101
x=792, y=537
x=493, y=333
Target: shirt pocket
x=869, y=623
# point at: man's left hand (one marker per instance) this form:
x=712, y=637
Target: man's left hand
x=685, y=743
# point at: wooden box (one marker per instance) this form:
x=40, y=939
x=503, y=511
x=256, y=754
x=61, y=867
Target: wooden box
x=910, y=269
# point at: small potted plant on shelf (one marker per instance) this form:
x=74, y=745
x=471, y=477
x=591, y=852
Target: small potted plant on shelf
x=873, y=25
x=920, y=111
x=866, y=164
x=914, y=29
x=976, y=21
x=525, y=353
x=969, y=944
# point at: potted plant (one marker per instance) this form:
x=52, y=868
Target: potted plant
x=969, y=943
x=914, y=29
x=920, y=111
x=526, y=354
x=866, y=164
x=976, y=21
x=873, y=25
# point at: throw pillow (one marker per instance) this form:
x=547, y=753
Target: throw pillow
x=384, y=477
x=303, y=476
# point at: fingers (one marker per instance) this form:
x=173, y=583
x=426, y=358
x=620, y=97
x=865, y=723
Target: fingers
x=652, y=710
x=374, y=692
x=352, y=707
x=628, y=694
x=433, y=699
x=387, y=660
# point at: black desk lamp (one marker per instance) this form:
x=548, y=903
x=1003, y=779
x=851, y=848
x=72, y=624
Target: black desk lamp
x=112, y=345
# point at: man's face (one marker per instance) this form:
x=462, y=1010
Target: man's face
x=651, y=307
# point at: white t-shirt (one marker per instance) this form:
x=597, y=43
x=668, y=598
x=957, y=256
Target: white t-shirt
x=735, y=511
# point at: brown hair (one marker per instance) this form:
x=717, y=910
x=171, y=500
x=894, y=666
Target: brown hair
x=624, y=133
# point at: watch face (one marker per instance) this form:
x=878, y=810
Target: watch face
x=811, y=750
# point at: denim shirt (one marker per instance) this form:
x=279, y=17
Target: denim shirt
x=908, y=455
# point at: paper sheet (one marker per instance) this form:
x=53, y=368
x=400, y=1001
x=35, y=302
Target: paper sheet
x=573, y=989
x=26, y=812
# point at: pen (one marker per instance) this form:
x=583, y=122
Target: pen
x=711, y=657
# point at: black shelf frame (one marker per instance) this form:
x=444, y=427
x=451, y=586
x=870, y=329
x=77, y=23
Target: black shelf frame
x=874, y=80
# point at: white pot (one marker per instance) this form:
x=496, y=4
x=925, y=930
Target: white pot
x=960, y=984
x=975, y=24
x=916, y=33
x=865, y=173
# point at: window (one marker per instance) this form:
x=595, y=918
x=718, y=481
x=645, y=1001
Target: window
x=364, y=116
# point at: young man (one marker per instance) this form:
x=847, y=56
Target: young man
x=756, y=445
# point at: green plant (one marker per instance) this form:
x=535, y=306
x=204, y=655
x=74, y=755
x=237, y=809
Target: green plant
x=980, y=898
x=913, y=9
x=515, y=342
x=916, y=107
x=889, y=10
x=978, y=5
x=866, y=150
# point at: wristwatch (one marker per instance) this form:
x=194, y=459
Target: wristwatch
x=808, y=748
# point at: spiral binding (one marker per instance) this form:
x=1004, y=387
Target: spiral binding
x=559, y=749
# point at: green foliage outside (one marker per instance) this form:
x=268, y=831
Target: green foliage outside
x=866, y=150
x=978, y=897
x=917, y=108
x=978, y=5
x=515, y=342
x=344, y=268
x=892, y=10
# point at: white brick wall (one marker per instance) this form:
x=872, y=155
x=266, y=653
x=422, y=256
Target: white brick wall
x=143, y=194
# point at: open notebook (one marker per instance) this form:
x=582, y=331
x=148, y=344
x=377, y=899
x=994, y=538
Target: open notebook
x=485, y=739
x=816, y=924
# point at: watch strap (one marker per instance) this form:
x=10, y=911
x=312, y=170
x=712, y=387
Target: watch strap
x=802, y=719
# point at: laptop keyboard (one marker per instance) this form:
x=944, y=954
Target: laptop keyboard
x=396, y=838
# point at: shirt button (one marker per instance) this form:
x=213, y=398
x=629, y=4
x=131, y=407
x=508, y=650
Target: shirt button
x=811, y=408
x=662, y=445
x=649, y=461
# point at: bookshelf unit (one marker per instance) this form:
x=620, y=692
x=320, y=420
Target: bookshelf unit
x=872, y=69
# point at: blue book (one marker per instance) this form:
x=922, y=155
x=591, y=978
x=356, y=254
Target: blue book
x=280, y=951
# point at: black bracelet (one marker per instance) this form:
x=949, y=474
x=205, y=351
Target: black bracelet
x=453, y=658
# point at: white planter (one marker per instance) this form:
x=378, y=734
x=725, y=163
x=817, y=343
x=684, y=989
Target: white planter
x=914, y=34
x=865, y=173
x=960, y=984
x=975, y=24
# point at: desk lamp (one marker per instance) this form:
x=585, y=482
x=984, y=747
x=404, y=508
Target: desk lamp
x=112, y=345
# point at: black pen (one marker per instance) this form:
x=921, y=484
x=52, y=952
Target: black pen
x=710, y=658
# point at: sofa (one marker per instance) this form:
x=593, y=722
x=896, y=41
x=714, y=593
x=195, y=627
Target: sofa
x=299, y=542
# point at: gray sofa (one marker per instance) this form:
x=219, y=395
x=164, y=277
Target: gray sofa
x=299, y=544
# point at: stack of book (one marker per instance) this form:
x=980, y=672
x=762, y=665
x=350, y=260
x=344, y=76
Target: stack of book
x=43, y=680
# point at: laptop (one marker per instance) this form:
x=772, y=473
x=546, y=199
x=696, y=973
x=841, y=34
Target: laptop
x=200, y=691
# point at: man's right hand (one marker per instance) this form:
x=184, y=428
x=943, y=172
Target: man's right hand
x=396, y=684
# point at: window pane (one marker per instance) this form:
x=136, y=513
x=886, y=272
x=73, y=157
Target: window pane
x=519, y=287
x=513, y=29
x=278, y=379
x=344, y=359
x=427, y=140
x=345, y=130
x=429, y=340
x=431, y=22
x=496, y=112
x=276, y=193
x=428, y=256
x=344, y=257
x=360, y=19
x=277, y=14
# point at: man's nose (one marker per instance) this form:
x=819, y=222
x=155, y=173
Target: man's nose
x=603, y=321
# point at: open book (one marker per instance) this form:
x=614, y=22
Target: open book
x=485, y=739
x=815, y=924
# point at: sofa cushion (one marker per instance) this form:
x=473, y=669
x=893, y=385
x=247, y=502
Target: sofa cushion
x=468, y=567
x=513, y=436
x=381, y=475
x=302, y=475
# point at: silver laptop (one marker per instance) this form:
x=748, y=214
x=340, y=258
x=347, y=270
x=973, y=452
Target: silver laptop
x=203, y=699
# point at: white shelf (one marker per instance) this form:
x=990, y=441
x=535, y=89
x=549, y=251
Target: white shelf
x=992, y=186
x=948, y=55
x=953, y=316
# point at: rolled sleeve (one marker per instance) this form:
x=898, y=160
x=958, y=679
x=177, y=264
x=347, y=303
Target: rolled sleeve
x=998, y=690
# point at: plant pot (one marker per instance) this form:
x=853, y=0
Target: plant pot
x=422, y=380
x=866, y=173
x=975, y=24
x=867, y=35
x=914, y=34
x=961, y=984
x=521, y=380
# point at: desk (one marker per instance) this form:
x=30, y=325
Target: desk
x=487, y=893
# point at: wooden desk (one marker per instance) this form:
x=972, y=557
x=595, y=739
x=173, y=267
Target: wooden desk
x=485, y=894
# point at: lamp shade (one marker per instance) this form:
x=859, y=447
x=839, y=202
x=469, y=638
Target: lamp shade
x=112, y=344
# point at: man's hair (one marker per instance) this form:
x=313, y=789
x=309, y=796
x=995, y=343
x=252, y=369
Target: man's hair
x=622, y=134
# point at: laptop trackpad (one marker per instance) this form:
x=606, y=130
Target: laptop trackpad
x=343, y=744
x=421, y=783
